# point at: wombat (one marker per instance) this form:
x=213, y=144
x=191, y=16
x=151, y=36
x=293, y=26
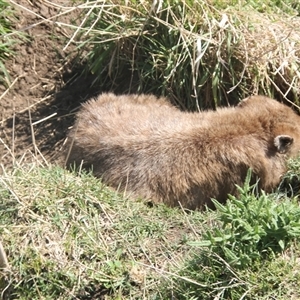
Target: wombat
x=145, y=147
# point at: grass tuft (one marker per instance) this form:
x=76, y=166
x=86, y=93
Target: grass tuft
x=199, y=53
x=253, y=226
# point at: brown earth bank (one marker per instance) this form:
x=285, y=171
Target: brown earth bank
x=45, y=87
x=38, y=102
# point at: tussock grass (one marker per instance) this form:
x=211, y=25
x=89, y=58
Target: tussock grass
x=199, y=53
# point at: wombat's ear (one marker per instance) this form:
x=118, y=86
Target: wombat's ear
x=283, y=143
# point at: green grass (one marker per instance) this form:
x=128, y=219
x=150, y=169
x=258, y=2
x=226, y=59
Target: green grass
x=211, y=277
x=70, y=237
x=291, y=7
x=7, y=39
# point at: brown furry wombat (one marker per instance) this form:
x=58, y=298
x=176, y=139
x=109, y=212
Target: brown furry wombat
x=148, y=148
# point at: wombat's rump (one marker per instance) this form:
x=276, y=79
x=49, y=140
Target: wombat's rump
x=148, y=148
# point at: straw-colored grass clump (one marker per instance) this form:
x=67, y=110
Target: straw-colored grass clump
x=191, y=50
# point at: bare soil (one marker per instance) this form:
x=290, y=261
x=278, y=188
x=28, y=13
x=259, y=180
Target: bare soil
x=45, y=87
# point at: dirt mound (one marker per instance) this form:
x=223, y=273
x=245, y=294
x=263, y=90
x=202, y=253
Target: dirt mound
x=44, y=87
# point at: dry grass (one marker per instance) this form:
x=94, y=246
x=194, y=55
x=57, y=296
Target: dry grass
x=228, y=52
x=272, y=52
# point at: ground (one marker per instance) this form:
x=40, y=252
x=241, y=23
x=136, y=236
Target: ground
x=44, y=82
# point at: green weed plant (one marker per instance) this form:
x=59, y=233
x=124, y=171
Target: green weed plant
x=253, y=227
x=249, y=250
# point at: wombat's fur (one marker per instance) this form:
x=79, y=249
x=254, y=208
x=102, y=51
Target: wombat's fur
x=146, y=147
